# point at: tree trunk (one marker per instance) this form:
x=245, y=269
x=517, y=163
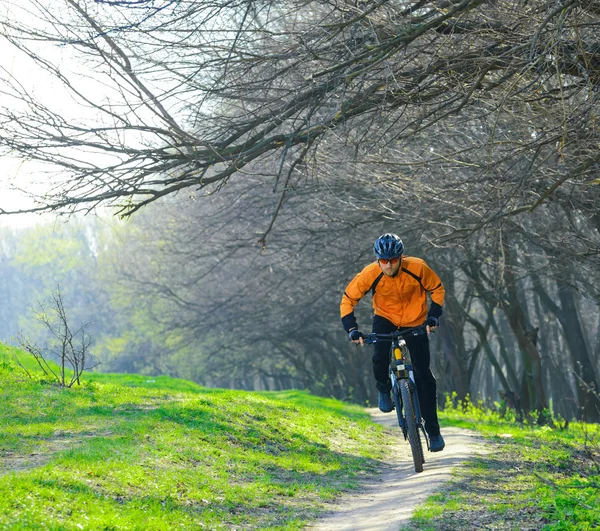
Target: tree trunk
x=526, y=338
x=510, y=395
x=581, y=361
x=451, y=341
x=511, y=372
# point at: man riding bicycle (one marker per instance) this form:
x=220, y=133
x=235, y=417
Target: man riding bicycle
x=399, y=285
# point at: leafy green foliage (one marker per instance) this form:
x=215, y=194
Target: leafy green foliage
x=137, y=452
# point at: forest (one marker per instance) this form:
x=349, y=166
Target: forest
x=220, y=171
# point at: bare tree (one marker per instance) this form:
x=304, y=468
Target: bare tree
x=468, y=127
x=189, y=94
x=70, y=348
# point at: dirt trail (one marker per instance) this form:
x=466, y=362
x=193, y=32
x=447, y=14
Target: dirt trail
x=45, y=449
x=386, y=502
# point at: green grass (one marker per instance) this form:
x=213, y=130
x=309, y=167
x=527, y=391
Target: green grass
x=129, y=452
x=531, y=478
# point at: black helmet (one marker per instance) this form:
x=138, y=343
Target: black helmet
x=388, y=246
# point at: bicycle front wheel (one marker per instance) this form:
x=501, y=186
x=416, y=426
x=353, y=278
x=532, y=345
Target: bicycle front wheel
x=411, y=426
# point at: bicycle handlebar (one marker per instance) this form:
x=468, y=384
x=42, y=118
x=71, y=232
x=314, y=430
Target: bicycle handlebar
x=374, y=337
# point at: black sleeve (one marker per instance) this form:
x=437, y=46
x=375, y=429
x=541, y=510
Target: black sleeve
x=435, y=310
x=349, y=322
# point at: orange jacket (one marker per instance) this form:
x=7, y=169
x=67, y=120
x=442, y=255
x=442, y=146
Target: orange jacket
x=401, y=299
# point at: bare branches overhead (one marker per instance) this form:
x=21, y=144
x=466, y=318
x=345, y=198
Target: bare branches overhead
x=180, y=95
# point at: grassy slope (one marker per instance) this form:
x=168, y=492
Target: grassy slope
x=532, y=478
x=135, y=452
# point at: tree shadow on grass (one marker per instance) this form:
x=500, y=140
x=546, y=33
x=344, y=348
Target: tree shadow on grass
x=492, y=492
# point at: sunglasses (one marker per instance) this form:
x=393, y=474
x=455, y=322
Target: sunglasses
x=392, y=261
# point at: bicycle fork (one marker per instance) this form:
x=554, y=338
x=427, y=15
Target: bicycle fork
x=405, y=372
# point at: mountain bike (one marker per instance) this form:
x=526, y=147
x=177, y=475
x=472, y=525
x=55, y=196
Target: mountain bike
x=404, y=389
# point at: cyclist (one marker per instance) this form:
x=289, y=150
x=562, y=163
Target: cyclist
x=399, y=285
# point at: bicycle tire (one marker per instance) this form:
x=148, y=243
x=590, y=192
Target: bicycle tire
x=412, y=429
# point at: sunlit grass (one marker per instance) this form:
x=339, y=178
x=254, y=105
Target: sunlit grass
x=137, y=452
x=531, y=478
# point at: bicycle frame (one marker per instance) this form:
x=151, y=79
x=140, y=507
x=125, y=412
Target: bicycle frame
x=401, y=369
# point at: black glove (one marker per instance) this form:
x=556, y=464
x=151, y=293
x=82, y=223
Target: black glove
x=355, y=335
x=432, y=322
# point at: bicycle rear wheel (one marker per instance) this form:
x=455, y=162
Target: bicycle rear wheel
x=412, y=429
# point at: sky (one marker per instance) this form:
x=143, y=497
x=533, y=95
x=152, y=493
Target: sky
x=14, y=169
x=14, y=199
x=11, y=168
x=52, y=93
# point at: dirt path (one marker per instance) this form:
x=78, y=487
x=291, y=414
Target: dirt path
x=386, y=502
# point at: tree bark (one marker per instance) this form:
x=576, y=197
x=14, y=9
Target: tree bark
x=526, y=337
x=509, y=392
x=580, y=359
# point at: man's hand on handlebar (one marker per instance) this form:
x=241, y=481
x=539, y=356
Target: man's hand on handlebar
x=431, y=323
x=356, y=337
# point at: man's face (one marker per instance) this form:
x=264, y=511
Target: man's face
x=390, y=267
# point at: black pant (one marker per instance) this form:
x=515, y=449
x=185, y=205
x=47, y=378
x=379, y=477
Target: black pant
x=418, y=347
